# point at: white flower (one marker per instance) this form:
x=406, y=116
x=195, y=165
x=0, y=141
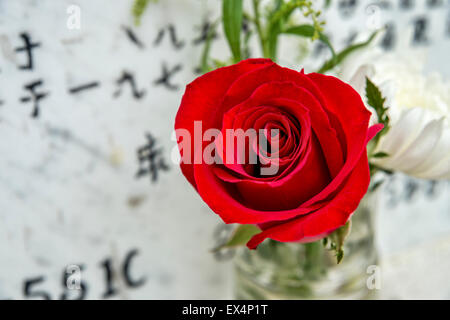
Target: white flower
x=418, y=141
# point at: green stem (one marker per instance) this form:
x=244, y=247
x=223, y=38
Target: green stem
x=314, y=259
x=274, y=25
x=259, y=29
x=204, y=61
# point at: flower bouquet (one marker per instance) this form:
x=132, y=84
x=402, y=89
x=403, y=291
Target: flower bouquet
x=288, y=155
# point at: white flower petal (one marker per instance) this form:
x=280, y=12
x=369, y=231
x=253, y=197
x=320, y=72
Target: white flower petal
x=358, y=80
x=440, y=170
x=440, y=152
x=418, y=141
x=420, y=149
x=401, y=135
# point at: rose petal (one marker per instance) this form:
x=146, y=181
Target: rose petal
x=325, y=220
x=243, y=87
x=202, y=98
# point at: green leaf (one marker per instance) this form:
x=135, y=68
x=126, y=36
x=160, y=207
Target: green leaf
x=232, y=24
x=241, y=235
x=380, y=154
x=376, y=100
x=339, y=255
x=304, y=30
x=330, y=64
x=308, y=30
x=337, y=239
x=374, y=186
x=139, y=7
x=374, y=97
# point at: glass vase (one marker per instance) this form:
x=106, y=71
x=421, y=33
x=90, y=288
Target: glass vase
x=278, y=270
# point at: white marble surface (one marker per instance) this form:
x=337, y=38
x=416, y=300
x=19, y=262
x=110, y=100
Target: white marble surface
x=68, y=192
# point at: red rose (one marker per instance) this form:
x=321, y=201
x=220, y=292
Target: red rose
x=323, y=170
